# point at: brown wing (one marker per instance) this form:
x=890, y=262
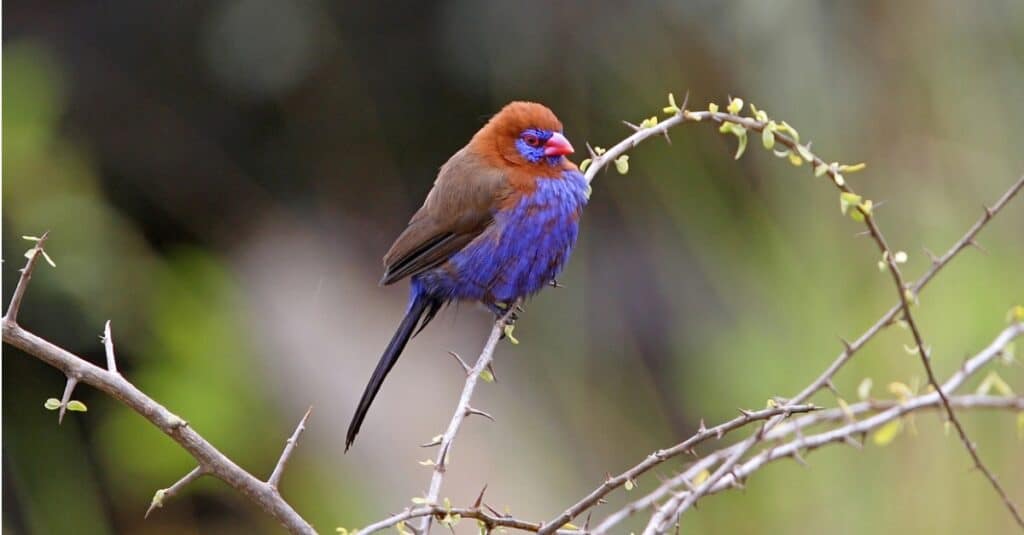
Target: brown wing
x=457, y=210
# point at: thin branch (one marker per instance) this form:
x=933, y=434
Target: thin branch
x=462, y=409
x=164, y=494
x=210, y=460
x=69, y=387
x=803, y=443
x=833, y=172
x=490, y=520
x=26, y=274
x=660, y=456
x=289, y=448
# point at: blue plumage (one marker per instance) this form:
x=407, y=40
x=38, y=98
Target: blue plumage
x=519, y=253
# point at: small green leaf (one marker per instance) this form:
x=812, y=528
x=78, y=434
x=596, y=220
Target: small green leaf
x=426, y=462
x=853, y=168
x=846, y=200
x=887, y=433
x=900, y=257
x=767, y=138
x=820, y=169
x=649, y=122
x=52, y=404
x=735, y=106
x=840, y=181
x=671, y=108
x=77, y=406
x=622, y=164
x=795, y=159
x=1020, y=426
x=629, y=485
x=1015, y=314
x=701, y=477
x=419, y=500
x=713, y=108
x=585, y=164
x=486, y=376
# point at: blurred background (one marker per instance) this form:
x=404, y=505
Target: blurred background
x=220, y=180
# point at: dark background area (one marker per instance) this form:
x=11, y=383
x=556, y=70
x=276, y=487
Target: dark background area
x=221, y=178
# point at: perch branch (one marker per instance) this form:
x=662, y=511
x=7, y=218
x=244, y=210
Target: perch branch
x=462, y=409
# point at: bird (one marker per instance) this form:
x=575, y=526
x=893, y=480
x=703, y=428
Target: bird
x=498, y=225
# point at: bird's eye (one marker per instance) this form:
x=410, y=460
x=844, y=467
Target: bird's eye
x=531, y=140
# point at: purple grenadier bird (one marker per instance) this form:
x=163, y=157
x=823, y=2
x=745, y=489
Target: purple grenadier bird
x=498, y=225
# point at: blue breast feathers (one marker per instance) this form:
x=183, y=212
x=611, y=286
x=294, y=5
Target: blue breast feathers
x=521, y=252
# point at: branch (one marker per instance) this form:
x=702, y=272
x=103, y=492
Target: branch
x=845, y=434
x=788, y=137
x=463, y=409
x=660, y=456
x=211, y=461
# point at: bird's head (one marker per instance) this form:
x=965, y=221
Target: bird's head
x=525, y=133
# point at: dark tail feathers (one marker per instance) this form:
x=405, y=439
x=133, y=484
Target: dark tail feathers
x=422, y=307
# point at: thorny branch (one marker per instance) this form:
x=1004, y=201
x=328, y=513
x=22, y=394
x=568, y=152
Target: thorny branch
x=462, y=410
x=78, y=370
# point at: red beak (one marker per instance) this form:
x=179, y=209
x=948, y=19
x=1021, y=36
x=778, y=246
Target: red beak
x=557, y=145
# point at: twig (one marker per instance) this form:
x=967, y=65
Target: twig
x=660, y=456
x=163, y=494
x=490, y=520
x=210, y=460
x=11, y=316
x=69, y=387
x=462, y=409
x=843, y=434
x=600, y=161
x=289, y=448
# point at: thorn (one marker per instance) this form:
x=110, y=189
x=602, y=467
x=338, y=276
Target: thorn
x=68, y=388
x=988, y=212
x=480, y=497
x=108, y=347
x=593, y=155
x=667, y=138
x=862, y=234
x=977, y=245
x=465, y=367
x=880, y=204
x=831, y=386
x=436, y=441
x=719, y=433
x=846, y=345
x=745, y=413
x=691, y=452
x=631, y=125
x=478, y=412
x=586, y=523
x=703, y=428
x=493, y=512
x=799, y=459
x=490, y=368
x=852, y=442
x=931, y=255
x=555, y=284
